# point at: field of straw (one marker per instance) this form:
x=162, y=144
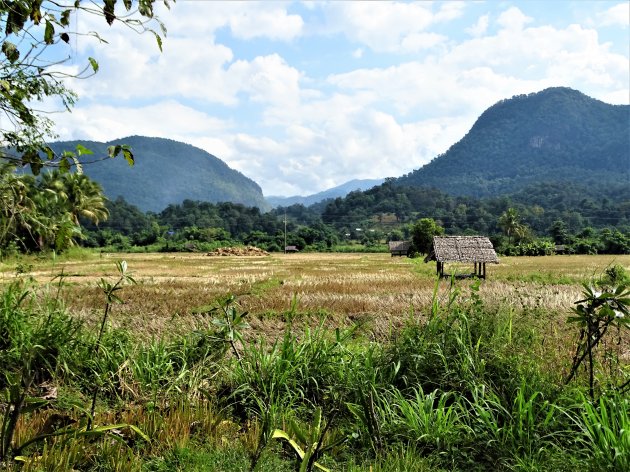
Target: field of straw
x=377, y=290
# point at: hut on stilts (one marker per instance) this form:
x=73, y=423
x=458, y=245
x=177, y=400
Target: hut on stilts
x=477, y=250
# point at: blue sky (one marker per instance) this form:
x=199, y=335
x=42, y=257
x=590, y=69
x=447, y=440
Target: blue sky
x=304, y=96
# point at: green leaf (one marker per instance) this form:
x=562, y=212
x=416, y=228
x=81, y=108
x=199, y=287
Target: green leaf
x=49, y=34
x=65, y=18
x=279, y=434
x=94, y=64
x=10, y=51
x=65, y=37
x=128, y=155
x=82, y=150
x=108, y=11
x=158, y=38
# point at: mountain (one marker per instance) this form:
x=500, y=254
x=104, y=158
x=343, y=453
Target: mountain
x=558, y=134
x=165, y=172
x=339, y=191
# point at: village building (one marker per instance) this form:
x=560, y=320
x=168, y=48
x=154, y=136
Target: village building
x=476, y=250
x=399, y=248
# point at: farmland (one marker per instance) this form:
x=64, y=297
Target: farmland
x=367, y=341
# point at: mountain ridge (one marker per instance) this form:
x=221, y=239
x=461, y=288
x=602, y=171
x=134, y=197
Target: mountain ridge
x=557, y=132
x=334, y=192
x=156, y=179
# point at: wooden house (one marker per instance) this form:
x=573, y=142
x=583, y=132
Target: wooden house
x=477, y=250
x=399, y=248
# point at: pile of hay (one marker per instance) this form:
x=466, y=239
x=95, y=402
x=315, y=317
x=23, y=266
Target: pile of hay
x=238, y=251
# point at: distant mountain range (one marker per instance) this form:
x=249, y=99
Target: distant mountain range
x=558, y=134
x=167, y=172
x=339, y=191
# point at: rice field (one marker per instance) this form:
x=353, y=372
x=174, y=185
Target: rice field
x=375, y=289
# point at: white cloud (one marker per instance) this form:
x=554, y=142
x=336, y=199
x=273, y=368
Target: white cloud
x=268, y=20
x=385, y=26
x=618, y=15
x=164, y=119
x=299, y=129
x=513, y=19
x=480, y=27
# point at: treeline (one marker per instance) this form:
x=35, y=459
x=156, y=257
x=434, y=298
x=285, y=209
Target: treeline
x=199, y=226
x=58, y=210
x=541, y=220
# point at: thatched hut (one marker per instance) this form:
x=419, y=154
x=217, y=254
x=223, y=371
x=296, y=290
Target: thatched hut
x=467, y=249
x=399, y=248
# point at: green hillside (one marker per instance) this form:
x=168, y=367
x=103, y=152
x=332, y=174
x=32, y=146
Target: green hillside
x=558, y=134
x=167, y=172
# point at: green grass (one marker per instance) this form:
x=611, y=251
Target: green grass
x=468, y=381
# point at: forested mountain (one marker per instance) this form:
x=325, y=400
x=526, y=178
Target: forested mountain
x=167, y=172
x=558, y=135
x=339, y=191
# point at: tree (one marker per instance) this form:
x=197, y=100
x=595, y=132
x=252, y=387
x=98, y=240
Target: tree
x=422, y=235
x=510, y=223
x=36, y=37
x=559, y=232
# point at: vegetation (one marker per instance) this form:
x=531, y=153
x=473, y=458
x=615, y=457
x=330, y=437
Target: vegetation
x=524, y=140
x=458, y=376
x=37, y=37
x=43, y=214
x=188, y=173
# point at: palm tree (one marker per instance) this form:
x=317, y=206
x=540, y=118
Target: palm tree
x=69, y=197
x=510, y=223
x=19, y=216
x=76, y=194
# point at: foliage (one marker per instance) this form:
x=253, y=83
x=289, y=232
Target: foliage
x=422, y=235
x=30, y=346
x=109, y=290
x=37, y=36
x=595, y=314
x=309, y=441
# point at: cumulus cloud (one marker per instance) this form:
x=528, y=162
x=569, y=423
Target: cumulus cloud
x=618, y=15
x=299, y=118
x=387, y=26
x=480, y=27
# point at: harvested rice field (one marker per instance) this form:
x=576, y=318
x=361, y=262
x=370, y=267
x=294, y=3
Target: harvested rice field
x=374, y=289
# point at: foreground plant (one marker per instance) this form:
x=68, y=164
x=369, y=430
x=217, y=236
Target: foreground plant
x=595, y=314
x=312, y=441
x=31, y=339
x=109, y=290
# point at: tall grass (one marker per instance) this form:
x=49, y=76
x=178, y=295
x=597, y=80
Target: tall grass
x=461, y=386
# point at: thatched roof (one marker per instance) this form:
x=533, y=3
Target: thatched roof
x=399, y=246
x=462, y=249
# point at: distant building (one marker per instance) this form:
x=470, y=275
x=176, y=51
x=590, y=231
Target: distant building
x=399, y=248
x=477, y=250
x=290, y=249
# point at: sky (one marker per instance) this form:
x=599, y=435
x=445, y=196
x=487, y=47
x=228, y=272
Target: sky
x=305, y=96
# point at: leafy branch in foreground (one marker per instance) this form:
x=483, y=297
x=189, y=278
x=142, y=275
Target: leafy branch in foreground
x=34, y=48
x=231, y=322
x=109, y=290
x=595, y=314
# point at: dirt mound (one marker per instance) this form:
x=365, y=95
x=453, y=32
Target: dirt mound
x=238, y=251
